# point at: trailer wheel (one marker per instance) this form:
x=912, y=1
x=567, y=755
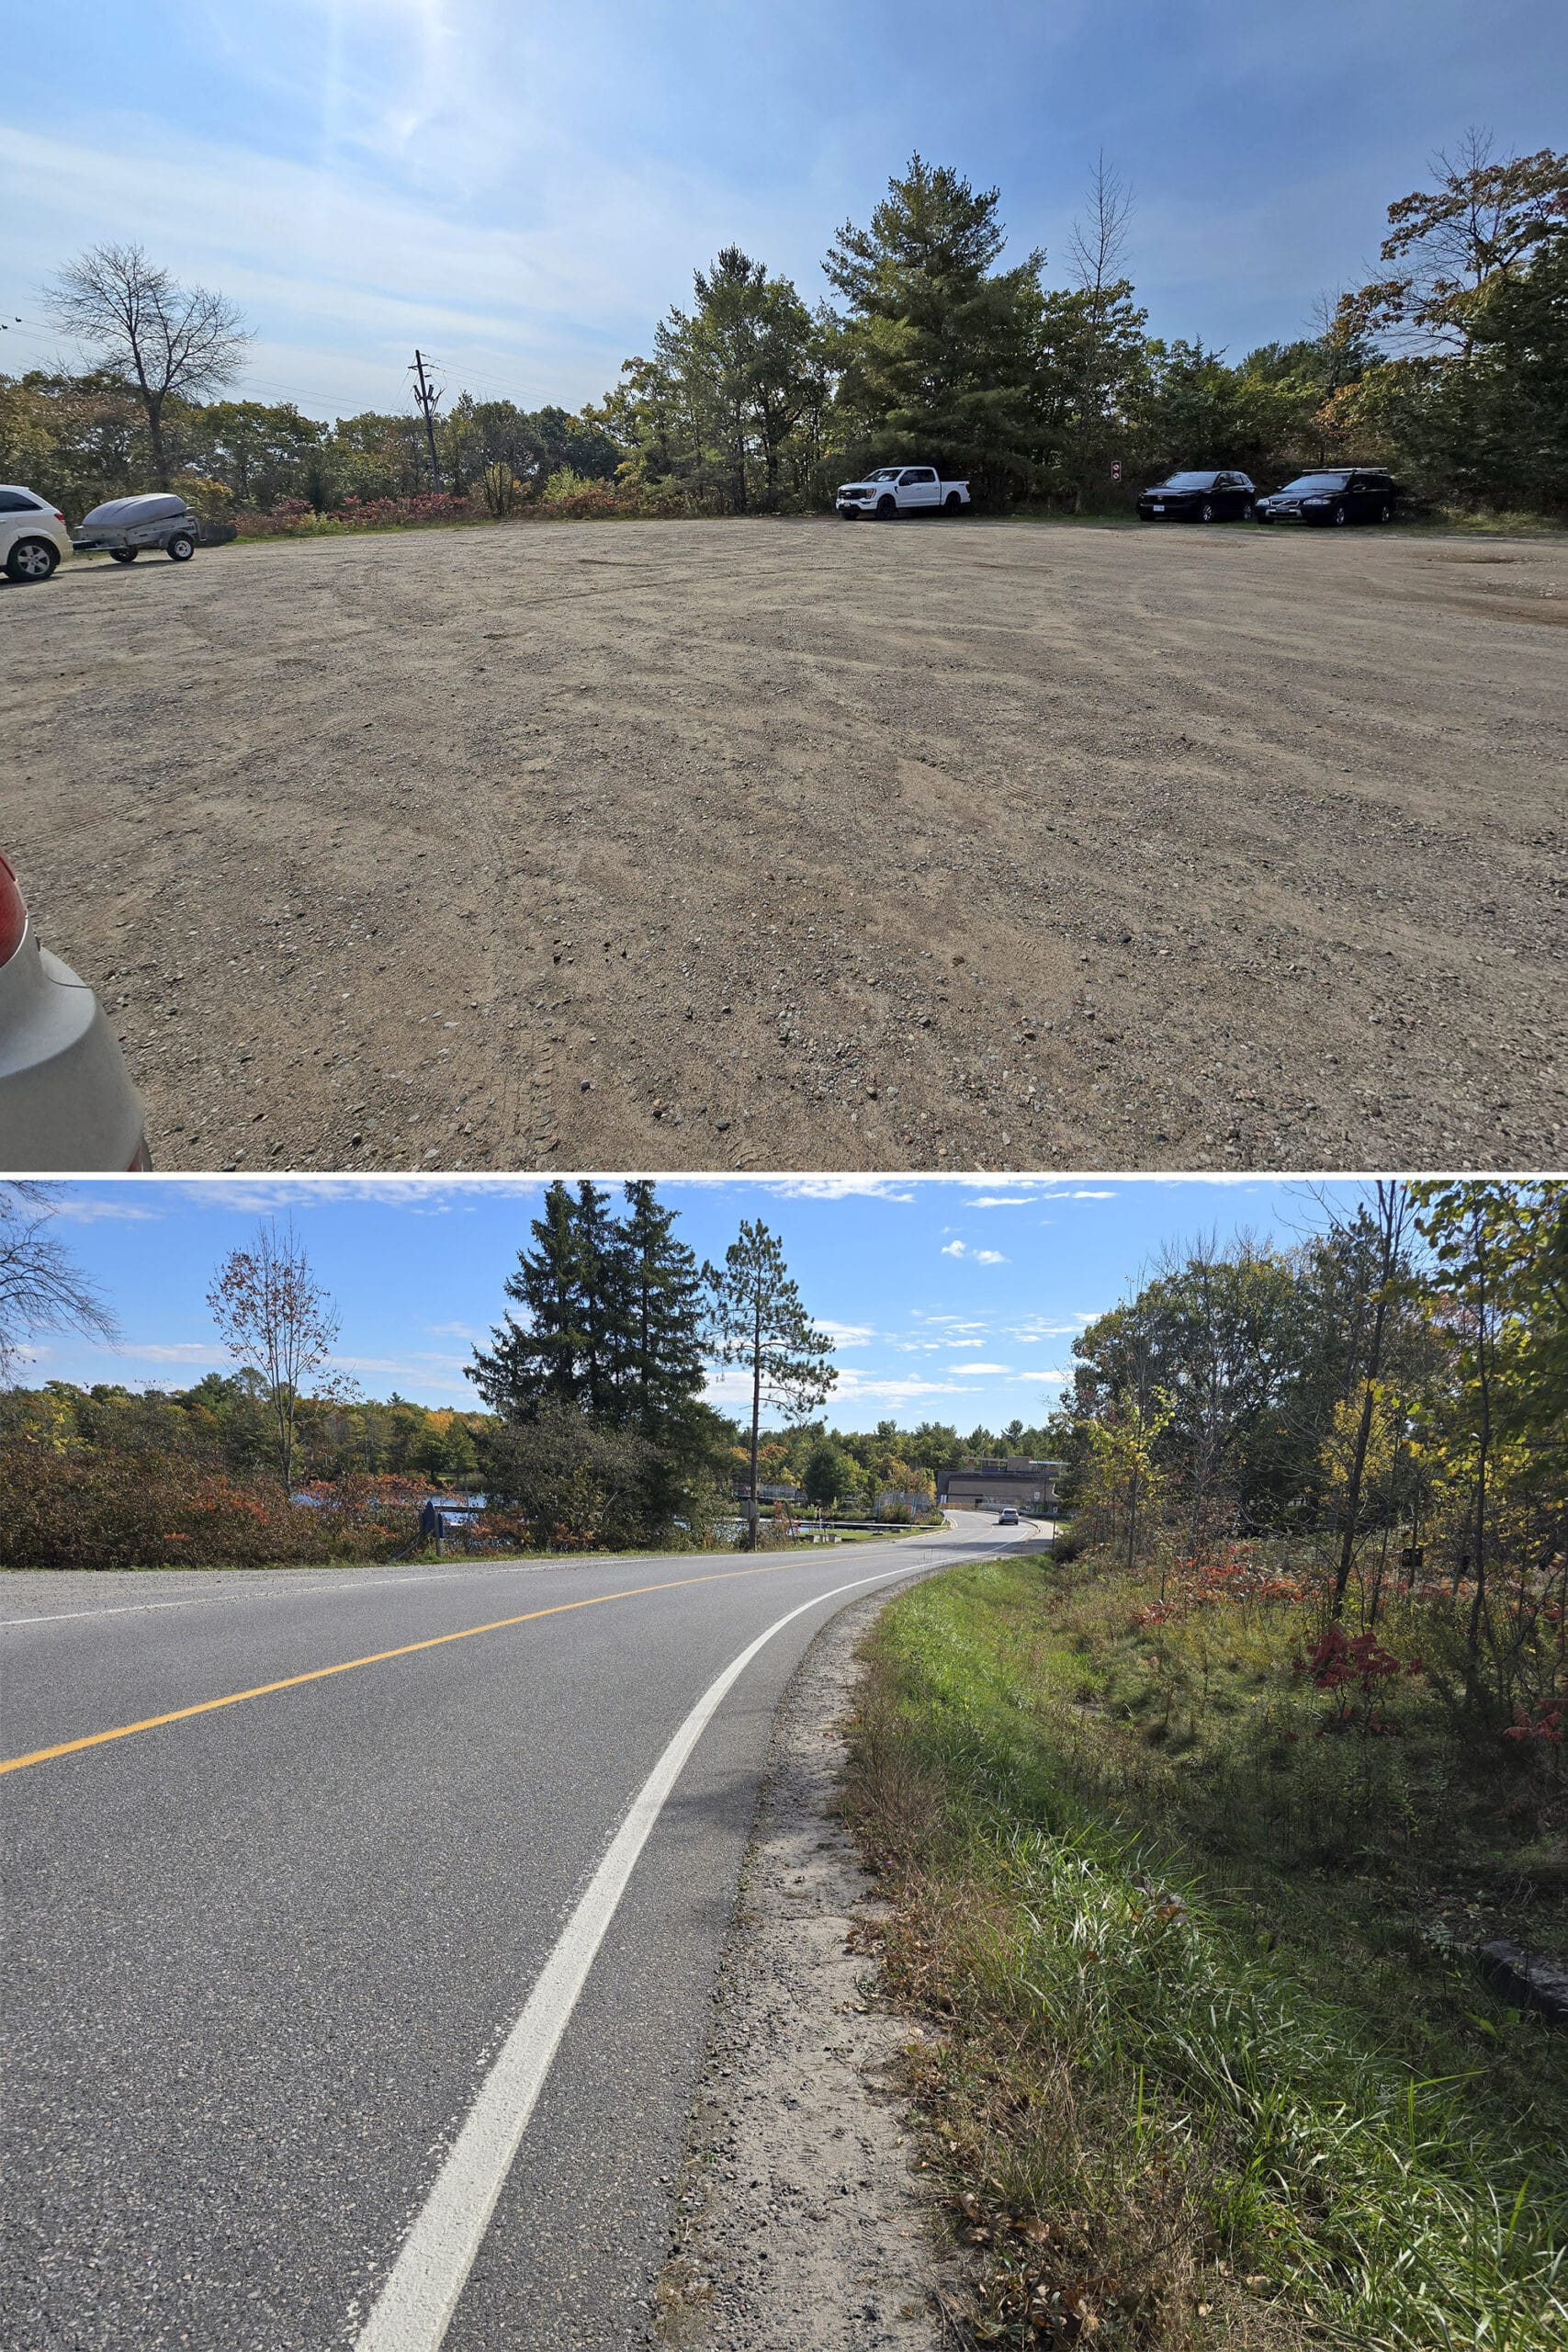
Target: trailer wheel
x=181, y=548
x=124, y=555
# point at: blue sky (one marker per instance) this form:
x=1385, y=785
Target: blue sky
x=522, y=190
x=949, y=1299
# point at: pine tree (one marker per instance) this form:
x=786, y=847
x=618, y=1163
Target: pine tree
x=540, y=1361
x=611, y=1322
x=936, y=351
x=760, y=1323
x=662, y=1317
x=601, y=1270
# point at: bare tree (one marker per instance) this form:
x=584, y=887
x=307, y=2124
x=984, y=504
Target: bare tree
x=1095, y=243
x=42, y=1288
x=1099, y=236
x=274, y=1318
x=143, y=324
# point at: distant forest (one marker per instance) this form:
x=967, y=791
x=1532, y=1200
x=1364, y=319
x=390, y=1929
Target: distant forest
x=1041, y=384
x=223, y=1422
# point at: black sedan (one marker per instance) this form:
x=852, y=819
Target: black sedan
x=1198, y=498
x=1336, y=494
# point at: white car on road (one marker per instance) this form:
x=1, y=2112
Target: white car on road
x=66, y=1098
x=33, y=535
x=901, y=490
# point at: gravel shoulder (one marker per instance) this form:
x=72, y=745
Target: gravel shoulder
x=800, y=2218
x=788, y=844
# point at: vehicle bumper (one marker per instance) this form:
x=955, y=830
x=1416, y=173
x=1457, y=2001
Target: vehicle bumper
x=66, y=1098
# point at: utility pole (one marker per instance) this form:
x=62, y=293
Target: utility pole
x=427, y=397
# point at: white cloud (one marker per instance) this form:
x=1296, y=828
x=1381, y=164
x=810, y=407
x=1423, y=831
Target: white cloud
x=203, y=1352
x=93, y=1210
x=872, y=1388
x=1002, y=1201
x=846, y=1335
x=834, y=1187
x=977, y=1257
x=1000, y=1370
x=423, y=1366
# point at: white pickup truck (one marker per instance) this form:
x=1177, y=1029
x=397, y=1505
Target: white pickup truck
x=901, y=490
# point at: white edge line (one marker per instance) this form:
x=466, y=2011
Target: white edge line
x=416, y=2305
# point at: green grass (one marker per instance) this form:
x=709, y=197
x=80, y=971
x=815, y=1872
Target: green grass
x=1219, y=2089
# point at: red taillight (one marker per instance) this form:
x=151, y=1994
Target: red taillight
x=57, y=515
x=13, y=911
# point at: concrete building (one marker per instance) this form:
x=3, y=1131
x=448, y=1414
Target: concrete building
x=1015, y=1483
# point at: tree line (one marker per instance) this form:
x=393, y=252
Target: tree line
x=592, y=1424
x=1452, y=366
x=1387, y=1401
x=594, y=1428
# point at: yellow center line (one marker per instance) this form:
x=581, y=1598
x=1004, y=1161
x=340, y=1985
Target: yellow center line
x=377, y=1657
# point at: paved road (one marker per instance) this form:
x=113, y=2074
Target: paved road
x=261, y=1958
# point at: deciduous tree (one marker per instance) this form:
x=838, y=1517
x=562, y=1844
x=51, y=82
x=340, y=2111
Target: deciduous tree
x=169, y=340
x=42, y=1288
x=276, y=1318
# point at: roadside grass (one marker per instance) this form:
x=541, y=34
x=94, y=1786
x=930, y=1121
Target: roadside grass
x=1212, y=2066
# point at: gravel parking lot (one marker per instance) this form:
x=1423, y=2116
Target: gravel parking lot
x=796, y=844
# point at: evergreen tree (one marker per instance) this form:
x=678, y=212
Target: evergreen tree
x=611, y=1322
x=936, y=348
x=662, y=1320
x=760, y=1322
x=540, y=1361
x=600, y=1268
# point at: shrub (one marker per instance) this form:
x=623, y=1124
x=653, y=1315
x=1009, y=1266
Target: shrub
x=575, y=1487
x=106, y=1509
x=294, y=518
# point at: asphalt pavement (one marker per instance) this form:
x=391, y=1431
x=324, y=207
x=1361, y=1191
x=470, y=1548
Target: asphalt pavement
x=288, y=1967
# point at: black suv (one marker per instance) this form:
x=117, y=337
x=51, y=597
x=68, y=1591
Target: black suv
x=1198, y=498
x=1335, y=494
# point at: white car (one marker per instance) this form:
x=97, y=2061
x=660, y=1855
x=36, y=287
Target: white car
x=901, y=490
x=33, y=535
x=66, y=1098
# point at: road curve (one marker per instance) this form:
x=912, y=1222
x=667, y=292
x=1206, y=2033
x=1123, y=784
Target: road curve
x=264, y=1959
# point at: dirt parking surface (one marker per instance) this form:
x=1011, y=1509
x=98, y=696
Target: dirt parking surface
x=800, y=844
